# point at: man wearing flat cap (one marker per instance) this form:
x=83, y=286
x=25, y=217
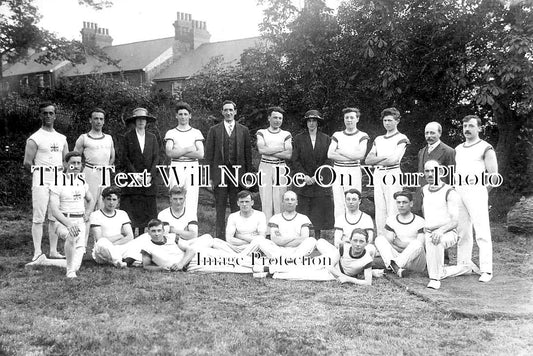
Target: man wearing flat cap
x=140, y=155
x=310, y=151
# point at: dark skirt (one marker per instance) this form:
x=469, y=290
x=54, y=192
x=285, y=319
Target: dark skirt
x=318, y=209
x=140, y=208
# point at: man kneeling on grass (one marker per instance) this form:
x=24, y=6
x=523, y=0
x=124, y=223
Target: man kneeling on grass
x=350, y=263
x=71, y=204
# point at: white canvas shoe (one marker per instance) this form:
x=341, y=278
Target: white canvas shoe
x=434, y=284
x=485, y=277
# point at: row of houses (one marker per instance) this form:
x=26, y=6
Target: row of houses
x=164, y=62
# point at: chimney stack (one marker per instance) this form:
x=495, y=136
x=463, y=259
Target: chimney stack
x=92, y=35
x=189, y=34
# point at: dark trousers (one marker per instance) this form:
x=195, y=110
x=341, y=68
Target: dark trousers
x=221, y=198
x=140, y=208
x=318, y=209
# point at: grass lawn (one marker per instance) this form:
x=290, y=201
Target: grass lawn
x=110, y=311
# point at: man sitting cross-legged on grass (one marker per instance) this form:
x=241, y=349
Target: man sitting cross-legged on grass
x=289, y=232
x=351, y=260
x=112, y=233
x=181, y=220
x=245, y=228
x=402, y=246
x=441, y=210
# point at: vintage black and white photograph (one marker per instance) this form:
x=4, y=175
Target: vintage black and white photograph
x=266, y=177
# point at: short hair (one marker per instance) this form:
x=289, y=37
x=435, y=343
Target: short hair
x=349, y=110
x=154, y=222
x=439, y=126
x=353, y=191
x=271, y=109
x=100, y=110
x=111, y=190
x=177, y=190
x=360, y=232
x=470, y=117
x=45, y=104
x=243, y=194
x=183, y=106
x=404, y=193
x=289, y=192
x=230, y=102
x=391, y=111
x=71, y=154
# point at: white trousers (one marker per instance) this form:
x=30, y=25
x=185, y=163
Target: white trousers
x=345, y=178
x=243, y=250
x=412, y=257
x=474, y=212
x=93, y=177
x=316, y=269
x=435, y=258
x=271, y=196
x=271, y=250
x=105, y=252
x=74, y=245
x=210, y=260
x=386, y=183
x=189, y=178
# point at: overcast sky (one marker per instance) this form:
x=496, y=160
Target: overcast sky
x=138, y=20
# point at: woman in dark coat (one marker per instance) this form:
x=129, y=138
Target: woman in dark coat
x=140, y=153
x=310, y=151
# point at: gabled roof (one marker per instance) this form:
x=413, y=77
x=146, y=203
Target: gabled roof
x=192, y=62
x=132, y=56
x=31, y=66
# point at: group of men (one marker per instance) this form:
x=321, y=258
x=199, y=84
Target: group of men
x=277, y=240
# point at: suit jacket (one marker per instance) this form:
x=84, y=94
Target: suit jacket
x=443, y=154
x=215, y=155
x=136, y=161
x=306, y=159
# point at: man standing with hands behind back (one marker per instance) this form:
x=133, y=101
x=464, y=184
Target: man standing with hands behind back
x=229, y=146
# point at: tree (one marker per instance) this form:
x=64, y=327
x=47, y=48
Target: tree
x=453, y=58
x=20, y=32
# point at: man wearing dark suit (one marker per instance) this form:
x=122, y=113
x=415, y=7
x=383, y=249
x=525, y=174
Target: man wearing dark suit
x=140, y=154
x=310, y=151
x=228, y=145
x=435, y=150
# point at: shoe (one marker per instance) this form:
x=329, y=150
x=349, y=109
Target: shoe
x=37, y=260
x=71, y=274
x=402, y=272
x=259, y=269
x=433, y=284
x=260, y=274
x=120, y=264
x=57, y=256
x=485, y=277
x=394, y=267
x=475, y=269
